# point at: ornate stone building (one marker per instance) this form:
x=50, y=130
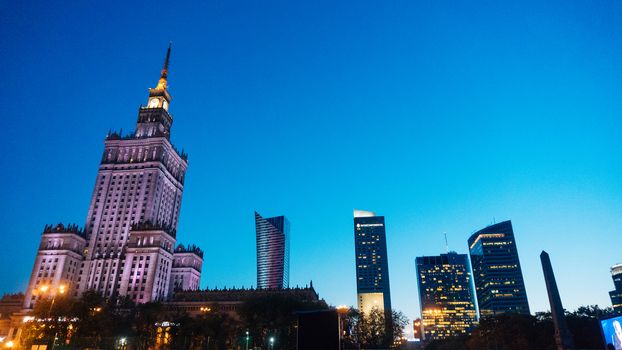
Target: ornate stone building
x=128, y=244
x=197, y=302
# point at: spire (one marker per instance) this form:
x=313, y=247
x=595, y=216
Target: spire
x=164, y=74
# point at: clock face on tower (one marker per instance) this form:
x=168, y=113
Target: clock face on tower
x=153, y=103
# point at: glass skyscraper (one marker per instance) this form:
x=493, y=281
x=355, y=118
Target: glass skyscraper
x=496, y=271
x=372, y=266
x=446, y=295
x=616, y=295
x=272, y=252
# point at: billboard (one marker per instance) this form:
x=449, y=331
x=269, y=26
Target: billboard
x=612, y=332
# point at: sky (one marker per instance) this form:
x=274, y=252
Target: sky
x=443, y=116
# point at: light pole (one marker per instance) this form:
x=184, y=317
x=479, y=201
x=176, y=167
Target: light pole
x=247, y=340
x=271, y=343
x=341, y=310
x=123, y=343
x=60, y=290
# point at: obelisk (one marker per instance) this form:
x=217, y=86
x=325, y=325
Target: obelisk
x=563, y=337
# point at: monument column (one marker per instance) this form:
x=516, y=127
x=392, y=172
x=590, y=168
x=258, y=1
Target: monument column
x=563, y=337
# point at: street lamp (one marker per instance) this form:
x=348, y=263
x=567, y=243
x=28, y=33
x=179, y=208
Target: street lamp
x=61, y=289
x=247, y=338
x=341, y=310
x=123, y=343
x=271, y=343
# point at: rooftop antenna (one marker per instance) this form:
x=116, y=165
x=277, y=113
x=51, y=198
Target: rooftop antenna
x=446, y=244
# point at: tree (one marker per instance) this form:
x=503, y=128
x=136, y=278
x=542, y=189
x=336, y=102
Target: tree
x=371, y=331
x=510, y=332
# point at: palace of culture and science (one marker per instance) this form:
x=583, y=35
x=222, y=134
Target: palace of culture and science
x=128, y=245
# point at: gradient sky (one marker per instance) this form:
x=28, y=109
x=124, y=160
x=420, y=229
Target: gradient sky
x=443, y=116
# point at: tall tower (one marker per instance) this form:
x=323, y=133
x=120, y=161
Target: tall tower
x=372, y=264
x=272, y=252
x=563, y=337
x=446, y=295
x=140, y=181
x=616, y=295
x=127, y=245
x=497, y=272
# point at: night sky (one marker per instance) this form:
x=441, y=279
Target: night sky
x=443, y=116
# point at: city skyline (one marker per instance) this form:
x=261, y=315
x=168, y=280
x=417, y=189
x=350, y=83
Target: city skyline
x=434, y=166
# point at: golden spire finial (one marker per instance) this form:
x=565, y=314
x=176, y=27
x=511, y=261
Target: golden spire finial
x=164, y=73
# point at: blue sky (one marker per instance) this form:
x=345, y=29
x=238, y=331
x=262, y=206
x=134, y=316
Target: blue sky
x=444, y=116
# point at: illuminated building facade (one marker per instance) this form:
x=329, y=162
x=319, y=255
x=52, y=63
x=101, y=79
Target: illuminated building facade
x=272, y=236
x=127, y=245
x=446, y=296
x=616, y=295
x=56, y=267
x=372, y=265
x=497, y=272
x=186, y=271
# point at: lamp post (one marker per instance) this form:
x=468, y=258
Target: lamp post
x=247, y=338
x=123, y=343
x=341, y=310
x=61, y=289
x=271, y=343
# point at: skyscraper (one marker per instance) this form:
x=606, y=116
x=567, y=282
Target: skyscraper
x=272, y=252
x=496, y=271
x=130, y=233
x=372, y=265
x=446, y=295
x=616, y=295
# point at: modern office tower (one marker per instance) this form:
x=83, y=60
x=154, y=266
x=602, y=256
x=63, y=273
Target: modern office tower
x=563, y=337
x=372, y=265
x=186, y=271
x=616, y=295
x=56, y=268
x=496, y=271
x=272, y=252
x=131, y=224
x=446, y=295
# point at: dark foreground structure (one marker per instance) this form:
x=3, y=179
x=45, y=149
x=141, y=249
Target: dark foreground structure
x=563, y=338
x=318, y=330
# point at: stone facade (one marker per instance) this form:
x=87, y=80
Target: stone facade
x=195, y=303
x=127, y=247
x=56, y=268
x=186, y=271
